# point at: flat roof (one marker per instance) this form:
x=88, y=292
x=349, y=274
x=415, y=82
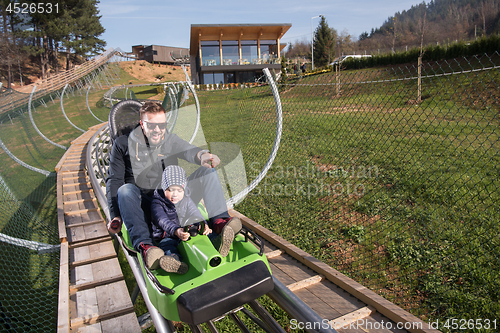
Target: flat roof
x=200, y=32
x=143, y=45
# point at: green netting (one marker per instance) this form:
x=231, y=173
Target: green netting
x=29, y=240
x=398, y=193
x=30, y=270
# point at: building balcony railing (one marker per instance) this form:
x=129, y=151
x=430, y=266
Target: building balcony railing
x=232, y=62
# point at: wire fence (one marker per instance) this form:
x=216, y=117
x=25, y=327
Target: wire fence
x=35, y=131
x=389, y=175
x=394, y=185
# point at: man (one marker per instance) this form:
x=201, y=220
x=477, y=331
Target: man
x=136, y=164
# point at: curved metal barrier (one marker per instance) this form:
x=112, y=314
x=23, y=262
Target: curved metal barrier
x=34, y=125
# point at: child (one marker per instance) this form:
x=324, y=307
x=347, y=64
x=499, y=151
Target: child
x=171, y=207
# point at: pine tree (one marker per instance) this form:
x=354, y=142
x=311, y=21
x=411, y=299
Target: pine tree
x=74, y=25
x=11, y=43
x=86, y=28
x=82, y=29
x=324, y=41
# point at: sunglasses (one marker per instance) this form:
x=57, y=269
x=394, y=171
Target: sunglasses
x=152, y=126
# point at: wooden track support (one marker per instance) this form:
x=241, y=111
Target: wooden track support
x=93, y=296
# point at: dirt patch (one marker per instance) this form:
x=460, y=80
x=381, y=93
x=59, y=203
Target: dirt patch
x=141, y=70
x=30, y=71
x=146, y=72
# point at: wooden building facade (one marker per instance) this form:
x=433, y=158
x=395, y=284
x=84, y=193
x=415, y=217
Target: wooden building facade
x=161, y=54
x=227, y=53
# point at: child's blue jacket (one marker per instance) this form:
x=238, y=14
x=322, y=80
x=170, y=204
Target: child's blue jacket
x=167, y=216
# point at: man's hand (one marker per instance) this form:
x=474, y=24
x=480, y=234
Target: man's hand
x=115, y=225
x=207, y=230
x=179, y=232
x=209, y=160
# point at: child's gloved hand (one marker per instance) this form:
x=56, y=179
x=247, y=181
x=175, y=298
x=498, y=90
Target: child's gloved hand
x=179, y=232
x=115, y=225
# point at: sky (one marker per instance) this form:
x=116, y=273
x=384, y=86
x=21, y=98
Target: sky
x=168, y=23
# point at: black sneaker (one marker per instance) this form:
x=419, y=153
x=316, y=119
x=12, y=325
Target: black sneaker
x=151, y=255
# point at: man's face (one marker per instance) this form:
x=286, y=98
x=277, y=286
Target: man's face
x=154, y=126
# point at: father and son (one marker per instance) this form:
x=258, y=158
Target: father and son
x=149, y=192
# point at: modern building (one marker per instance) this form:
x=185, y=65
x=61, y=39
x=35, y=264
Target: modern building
x=227, y=53
x=161, y=54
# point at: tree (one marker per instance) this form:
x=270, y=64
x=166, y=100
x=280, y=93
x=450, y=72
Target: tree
x=344, y=43
x=363, y=36
x=85, y=29
x=324, y=38
x=11, y=45
x=300, y=49
x=72, y=24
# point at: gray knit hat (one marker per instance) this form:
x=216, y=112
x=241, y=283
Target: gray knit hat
x=173, y=175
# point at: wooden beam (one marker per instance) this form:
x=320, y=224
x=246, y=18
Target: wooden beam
x=63, y=307
x=81, y=211
x=77, y=183
x=92, y=284
x=82, y=224
x=60, y=209
x=81, y=201
x=92, y=260
x=95, y=318
x=90, y=242
x=75, y=177
x=77, y=191
x=274, y=254
x=346, y=320
x=305, y=283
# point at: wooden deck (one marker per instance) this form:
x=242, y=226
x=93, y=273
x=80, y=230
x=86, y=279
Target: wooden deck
x=93, y=296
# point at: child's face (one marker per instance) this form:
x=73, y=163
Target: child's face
x=174, y=193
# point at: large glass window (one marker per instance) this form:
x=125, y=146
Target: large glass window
x=219, y=78
x=230, y=52
x=213, y=78
x=246, y=76
x=208, y=78
x=249, y=53
x=210, y=55
x=230, y=77
x=268, y=51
